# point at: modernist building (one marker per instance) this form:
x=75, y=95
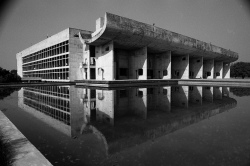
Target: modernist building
x=121, y=48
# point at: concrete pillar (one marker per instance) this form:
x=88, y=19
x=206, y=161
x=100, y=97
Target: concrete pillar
x=180, y=67
x=105, y=106
x=218, y=66
x=217, y=92
x=208, y=69
x=196, y=67
x=207, y=93
x=179, y=96
x=226, y=70
x=105, y=67
x=162, y=66
x=138, y=64
x=195, y=94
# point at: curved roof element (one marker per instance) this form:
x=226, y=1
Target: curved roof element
x=131, y=34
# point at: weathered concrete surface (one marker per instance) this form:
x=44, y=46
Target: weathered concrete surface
x=105, y=62
x=131, y=34
x=180, y=67
x=208, y=69
x=218, y=67
x=226, y=70
x=196, y=67
x=162, y=65
x=26, y=153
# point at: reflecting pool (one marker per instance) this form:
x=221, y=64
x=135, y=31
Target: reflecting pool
x=154, y=125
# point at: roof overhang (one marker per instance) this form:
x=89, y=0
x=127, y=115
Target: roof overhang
x=130, y=34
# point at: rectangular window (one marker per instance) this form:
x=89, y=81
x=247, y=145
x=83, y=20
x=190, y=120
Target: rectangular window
x=140, y=72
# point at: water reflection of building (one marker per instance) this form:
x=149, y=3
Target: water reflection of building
x=125, y=117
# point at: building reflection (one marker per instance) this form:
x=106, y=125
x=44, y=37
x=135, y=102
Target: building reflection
x=123, y=118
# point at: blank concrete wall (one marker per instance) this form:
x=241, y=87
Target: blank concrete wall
x=162, y=65
x=75, y=56
x=196, y=67
x=218, y=66
x=226, y=70
x=105, y=69
x=208, y=66
x=180, y=64
x=138, y=60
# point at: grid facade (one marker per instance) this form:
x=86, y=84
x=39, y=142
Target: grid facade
x=51, y=63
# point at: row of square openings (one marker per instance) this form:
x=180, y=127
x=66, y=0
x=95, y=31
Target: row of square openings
x=54, y=113
x=59, y=74
x=59, y=61
x=48, y=52
x=48, y=100
x=60, y=91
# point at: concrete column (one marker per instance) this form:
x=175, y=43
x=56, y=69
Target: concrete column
x=105, y=69
x=138, y=64
x=179, y=96
x=180, y=67
x=218, y=66
x=196, y=67
x=208, y=69
x=207, y=93
x=226, y=70
x=217, y=92
x=195, y=94
x=162, y=66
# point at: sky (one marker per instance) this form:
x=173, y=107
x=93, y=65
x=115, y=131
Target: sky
x=224, y=23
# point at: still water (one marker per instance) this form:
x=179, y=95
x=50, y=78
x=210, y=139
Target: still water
x=158, y=125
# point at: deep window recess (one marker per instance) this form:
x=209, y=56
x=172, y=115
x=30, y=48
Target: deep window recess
x=140, y=72
x=123, y=71
x=140, y=93
x=165, y=91
x=107, y=48
x=165, y=72
x=217, y=73
x=208, y=73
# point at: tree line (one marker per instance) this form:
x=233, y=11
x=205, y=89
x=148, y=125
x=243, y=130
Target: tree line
x=8, y=76
x=240, y=69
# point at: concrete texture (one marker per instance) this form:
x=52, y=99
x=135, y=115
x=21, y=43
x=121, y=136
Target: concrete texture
x=180, y=67
x=208, y=69
x=196, y=67
x=218, y=67
x=132, y=34
x=26, y=153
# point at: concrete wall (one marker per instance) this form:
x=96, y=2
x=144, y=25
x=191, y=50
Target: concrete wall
x=195, y=94
x=76, y=55
x=226, y=70
x=207, y=93
x=180, y=64
x=208, y=66
x=179, y=96
x=162, y=66
x=196, y=67
x=138, y=60
x=105, y=66
x=218, y=66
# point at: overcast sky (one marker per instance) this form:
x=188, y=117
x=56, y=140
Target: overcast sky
x=225, y=23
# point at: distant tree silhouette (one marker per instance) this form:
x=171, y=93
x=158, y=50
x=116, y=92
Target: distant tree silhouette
x=240, y=69
x=7, y=76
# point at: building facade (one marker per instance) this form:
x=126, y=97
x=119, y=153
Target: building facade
x=119, y=49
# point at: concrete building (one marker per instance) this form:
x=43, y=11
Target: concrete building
x=121, y=48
